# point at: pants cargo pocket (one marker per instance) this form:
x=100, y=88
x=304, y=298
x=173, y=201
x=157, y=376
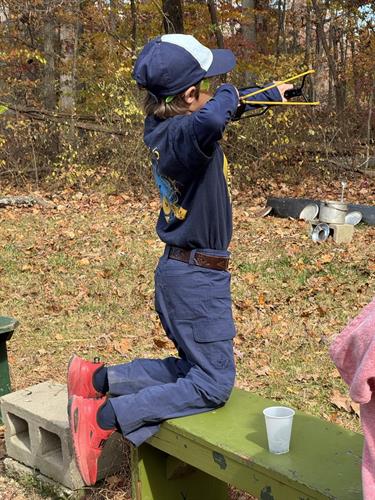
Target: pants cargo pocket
x=214, y=337
x=186, y=296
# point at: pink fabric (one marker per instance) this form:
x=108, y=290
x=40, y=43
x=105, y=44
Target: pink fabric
x=353, y=352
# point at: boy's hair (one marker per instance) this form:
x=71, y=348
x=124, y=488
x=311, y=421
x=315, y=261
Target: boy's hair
x=162, y=109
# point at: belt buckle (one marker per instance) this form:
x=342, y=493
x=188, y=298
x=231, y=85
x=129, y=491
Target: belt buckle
x=180, y=253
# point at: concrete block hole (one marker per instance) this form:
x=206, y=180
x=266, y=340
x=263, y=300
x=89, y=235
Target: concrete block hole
x=51, y=448
x=19, y=432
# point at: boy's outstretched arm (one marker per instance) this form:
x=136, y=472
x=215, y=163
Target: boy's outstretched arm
x=210, y=121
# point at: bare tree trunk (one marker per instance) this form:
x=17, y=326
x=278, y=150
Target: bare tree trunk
x=279, y=28
x=319, y=80
x=49, y=89
x=369, y=116
x=281, y=35
x=69, y=31
x=283, y=24
x=113, y=15
x=49, y=84
x=353, y=55
x=308, y=35
x=308, y=46
x=295, y=27
x=356, y=79
x=331, y=42
x=249, y=30
x=4, y=12
x=68, y=42
x=339, y=81
x=249, y=26
x=133, y=9
x=215, y=23
x=173, y=16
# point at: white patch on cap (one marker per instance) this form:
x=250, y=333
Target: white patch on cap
x=201, y=53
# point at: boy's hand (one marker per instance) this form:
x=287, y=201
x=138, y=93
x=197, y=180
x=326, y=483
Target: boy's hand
x=282, y=88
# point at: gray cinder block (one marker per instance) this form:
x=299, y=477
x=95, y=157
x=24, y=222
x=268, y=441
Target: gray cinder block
x=37, y=434
x=342, y=233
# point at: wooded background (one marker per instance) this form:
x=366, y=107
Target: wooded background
x=70, y=113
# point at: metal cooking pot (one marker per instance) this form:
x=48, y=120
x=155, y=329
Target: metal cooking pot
x=333, y=212
x=320, y=232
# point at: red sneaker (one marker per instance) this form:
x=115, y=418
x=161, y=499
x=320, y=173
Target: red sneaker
x=88, y=437
x=80, y=378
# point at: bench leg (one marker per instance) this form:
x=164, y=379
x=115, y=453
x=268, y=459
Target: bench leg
x=158, y=476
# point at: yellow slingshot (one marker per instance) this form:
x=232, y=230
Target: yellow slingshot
x=288, y=93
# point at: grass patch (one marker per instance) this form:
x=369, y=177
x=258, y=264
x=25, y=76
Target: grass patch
x=80, y=279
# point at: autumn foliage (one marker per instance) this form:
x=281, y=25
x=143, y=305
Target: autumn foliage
x=70, y=112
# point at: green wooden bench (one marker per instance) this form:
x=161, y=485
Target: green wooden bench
x=7, y=327
x=195, y=458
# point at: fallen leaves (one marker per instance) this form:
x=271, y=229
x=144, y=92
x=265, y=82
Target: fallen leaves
x=263, y=371
x=243, y=304
x=249, y=278
x=307, y=377
x=324, y=259
x=84, y=262
x=81, y=279
x=161, y=343
x=26, y=268
x=115, y=481
x=122, y=346
x=159, y=337
x=343, y=402
x=70, y=235
x=262, y=299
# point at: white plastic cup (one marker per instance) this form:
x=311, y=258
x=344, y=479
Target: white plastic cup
x=279, y=421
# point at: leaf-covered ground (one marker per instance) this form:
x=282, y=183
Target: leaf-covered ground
x=79, y=278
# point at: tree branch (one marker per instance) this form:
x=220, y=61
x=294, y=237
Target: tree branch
x=59, y=117
x=322, y=36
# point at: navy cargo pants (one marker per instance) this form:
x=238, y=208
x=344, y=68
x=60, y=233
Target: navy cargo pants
x=194, y=306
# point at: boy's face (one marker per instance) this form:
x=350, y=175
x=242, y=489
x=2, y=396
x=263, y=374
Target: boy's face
x=194, y=103
x=204, y=96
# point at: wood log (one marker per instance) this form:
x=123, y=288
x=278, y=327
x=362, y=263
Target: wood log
x=24, y=201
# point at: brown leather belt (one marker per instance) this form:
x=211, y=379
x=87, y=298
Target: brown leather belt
x=199, y=259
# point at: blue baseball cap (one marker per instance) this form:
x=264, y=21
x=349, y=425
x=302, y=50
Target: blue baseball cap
x=169, y=64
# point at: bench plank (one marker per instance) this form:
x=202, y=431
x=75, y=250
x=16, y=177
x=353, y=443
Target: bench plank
x=231, y=444
x=150, y=480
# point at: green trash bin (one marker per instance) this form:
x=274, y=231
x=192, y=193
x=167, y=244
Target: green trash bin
x=7, y=327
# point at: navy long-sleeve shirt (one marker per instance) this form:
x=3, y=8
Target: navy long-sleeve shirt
x=191, y=173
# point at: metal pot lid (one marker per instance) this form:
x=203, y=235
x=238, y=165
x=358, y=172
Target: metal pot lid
x=309, y=212
x=353, y=218
x=263, y=212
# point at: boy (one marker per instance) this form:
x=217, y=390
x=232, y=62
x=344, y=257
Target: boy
x=185, y=119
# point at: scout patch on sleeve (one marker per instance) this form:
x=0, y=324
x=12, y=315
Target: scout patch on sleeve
x=168, y=193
